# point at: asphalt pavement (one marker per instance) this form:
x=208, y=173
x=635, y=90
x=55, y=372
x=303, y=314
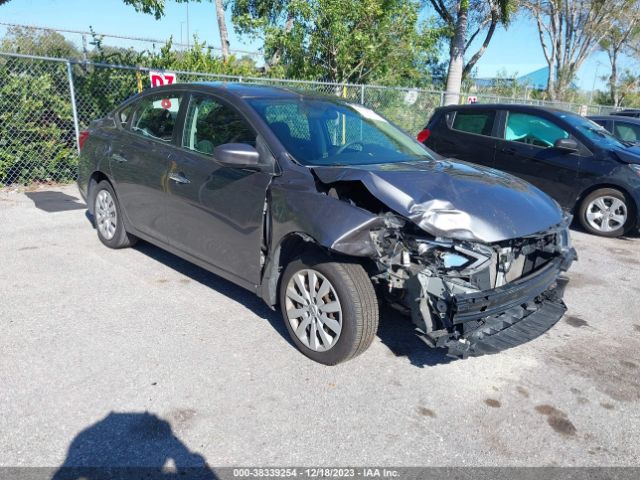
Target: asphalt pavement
x=133, y=357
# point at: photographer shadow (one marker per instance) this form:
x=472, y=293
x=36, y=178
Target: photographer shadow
x=128, y=446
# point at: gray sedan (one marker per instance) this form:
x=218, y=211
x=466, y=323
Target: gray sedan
x=323, y=207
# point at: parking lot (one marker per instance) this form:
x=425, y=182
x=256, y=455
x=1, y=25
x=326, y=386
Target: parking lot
x=130, y=357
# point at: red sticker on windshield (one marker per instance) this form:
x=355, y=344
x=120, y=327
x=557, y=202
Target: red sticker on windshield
x=166, y=103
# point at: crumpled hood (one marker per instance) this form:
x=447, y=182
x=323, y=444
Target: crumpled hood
x=455, y=199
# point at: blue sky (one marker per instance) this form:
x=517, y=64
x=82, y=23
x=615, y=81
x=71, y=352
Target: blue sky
x=515, y=50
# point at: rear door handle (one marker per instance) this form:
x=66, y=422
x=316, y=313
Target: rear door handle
x=179, y=178
x=118, y=158
x=508, y=151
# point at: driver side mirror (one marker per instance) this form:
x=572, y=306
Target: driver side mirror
x=237, y=155
x=566, y=145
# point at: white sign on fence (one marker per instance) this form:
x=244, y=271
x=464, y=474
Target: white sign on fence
x=159, y=79
x=472, y=99
x=411, y=96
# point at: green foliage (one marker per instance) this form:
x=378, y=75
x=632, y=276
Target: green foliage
x=37, y=42
x=36, y=126
x=153, y=7
x=355, y=41
x=199, y=58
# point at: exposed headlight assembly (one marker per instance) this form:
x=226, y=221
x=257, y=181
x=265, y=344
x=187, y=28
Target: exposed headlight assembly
x=466, y=260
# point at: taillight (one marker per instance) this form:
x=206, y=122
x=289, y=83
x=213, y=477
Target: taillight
x=424, y=135
x=83, y=138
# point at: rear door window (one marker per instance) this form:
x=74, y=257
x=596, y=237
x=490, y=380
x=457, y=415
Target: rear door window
x=627, y=132
x=532, y=130
x=479, y=122
x=156, y=117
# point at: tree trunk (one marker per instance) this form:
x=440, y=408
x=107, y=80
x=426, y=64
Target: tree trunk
x=224, y=34
x=613, y=79
x=456, y=54
x=277, y=55
x=474, y=59
x=551, y=82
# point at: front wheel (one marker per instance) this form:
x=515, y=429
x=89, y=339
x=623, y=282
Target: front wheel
x=606, y=212
x=330, y=308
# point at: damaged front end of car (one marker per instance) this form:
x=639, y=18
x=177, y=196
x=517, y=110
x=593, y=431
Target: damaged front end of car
x=475, y=256
x=474, y=298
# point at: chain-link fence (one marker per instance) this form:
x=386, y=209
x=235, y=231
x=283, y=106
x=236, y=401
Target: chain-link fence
x=46, y=102
x=80, y=44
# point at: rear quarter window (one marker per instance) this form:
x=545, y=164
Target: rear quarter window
x=123, y=115
x=478, y=122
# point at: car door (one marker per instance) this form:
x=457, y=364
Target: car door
x=467, y=134
x=527, y=151
x=215, y=212
x=139, y=161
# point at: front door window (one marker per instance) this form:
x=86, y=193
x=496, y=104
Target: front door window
x=533, y=130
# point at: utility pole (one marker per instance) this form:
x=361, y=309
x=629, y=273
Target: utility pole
x=188, y=33
x=593, y=87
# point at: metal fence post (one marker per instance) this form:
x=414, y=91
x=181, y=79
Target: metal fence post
x=362, y=94
x=72, y=92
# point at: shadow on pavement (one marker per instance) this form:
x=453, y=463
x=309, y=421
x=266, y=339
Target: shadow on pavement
x=131, y=445
x=395, y=331
x=52, y=201
x=219, y=284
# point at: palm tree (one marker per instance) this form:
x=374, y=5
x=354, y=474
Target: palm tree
x=456, y=17
x=222, y=26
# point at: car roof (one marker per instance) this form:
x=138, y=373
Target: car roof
x=248, y=90
x=503, y=106
x=245, y=90
x=619, y=118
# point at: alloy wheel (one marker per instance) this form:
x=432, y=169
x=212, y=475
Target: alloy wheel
x=606, y=214
x=313, y=310
x=106, y=214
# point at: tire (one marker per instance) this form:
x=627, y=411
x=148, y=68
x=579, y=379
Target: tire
x=108, y=218
x=606, y=212
x=357, y=318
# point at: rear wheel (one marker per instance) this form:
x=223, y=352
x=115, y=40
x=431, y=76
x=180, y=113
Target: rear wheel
x=606, y=212
x=108, y=218
x=330, y=308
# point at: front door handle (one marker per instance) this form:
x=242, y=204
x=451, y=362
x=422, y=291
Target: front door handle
x=118, y=158
x=508, y=151
x=179, y=178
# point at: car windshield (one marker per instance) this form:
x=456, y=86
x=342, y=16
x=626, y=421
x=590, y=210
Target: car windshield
x=323, y=132
x=594, y=132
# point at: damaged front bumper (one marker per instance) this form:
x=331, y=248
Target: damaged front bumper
x=504, y=295
x=525, y=314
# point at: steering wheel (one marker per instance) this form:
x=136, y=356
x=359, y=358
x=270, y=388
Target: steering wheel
x=536, y=141
x=350, y=144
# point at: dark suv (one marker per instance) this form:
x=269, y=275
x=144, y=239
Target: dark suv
x=576, y=161
x=629, y=112
x=322, y=206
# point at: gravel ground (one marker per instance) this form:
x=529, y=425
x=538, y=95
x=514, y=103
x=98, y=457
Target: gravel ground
x=131, y=357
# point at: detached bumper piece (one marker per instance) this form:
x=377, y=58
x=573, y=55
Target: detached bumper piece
x=519, y=322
